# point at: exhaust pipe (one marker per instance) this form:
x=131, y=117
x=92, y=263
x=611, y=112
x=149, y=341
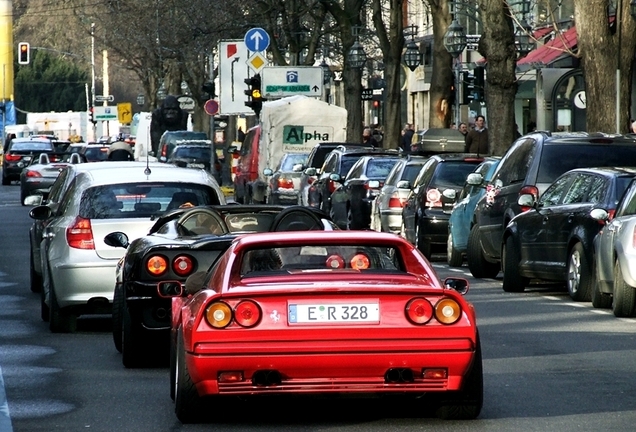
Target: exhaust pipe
x=399, y=375
x=266, y=378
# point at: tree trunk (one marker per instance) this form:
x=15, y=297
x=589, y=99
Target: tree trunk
x=391, y=43
x=598, y=45
x=443, y=76
x=497, y=45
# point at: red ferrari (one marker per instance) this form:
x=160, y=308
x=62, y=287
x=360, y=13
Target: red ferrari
x=323, y=312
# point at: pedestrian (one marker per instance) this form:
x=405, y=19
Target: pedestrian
x=477, y=139
x=463, y=129
x=367, y=138
x=407, y=137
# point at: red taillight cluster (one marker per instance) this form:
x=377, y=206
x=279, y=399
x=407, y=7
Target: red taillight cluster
x=331, y=185
x=246, y=314
x=182, y=265
x=285, y=183
x=395, y=201
x=12, y=157
x=164, y=150
x=433, y=198
x=32, y=174
x=79, y=235
x=420, y=311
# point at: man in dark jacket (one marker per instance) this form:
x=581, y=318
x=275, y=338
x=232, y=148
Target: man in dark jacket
x=477, y=139
x=407, y=136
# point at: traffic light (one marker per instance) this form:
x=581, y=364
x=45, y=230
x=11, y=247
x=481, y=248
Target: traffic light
x=253, y=92
x=23, y=53
x=468, y=88
x=479, y=83
x=91, y=115
x=209, y=88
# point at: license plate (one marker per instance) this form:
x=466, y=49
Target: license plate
x=321, y=313
x=195, y=165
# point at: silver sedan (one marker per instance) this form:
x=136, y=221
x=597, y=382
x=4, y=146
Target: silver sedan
x=78, y=268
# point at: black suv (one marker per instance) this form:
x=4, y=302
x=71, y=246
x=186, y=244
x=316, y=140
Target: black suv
x=529, y=166
x=20, y=152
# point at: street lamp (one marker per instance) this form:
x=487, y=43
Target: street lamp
x=412, y=56
x=357, y=57
x=455, y=43
x=525, y=43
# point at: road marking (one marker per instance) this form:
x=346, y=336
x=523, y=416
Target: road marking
x=5, y=418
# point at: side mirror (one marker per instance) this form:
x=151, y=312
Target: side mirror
x=268, y=171
x=33, y=200
x=403, y=184
x=335, y=177
x=526, y=200
x=600, y=215
x=169, y=289
x=311, y=171
x=458, y=284
x=475, y=179
x=40, y=212
x=117, y=239
x=297, y=168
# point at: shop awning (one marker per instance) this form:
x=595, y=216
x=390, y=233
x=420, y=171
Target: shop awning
x=548, y=53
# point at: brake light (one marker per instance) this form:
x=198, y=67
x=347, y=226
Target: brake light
x=183, y=265
x=12, y=157
x=359, y=262
x=33, y=174
x=534, y=191
x=447, y=311
x=157, y=265
x=395, y=201
x=331, y=185
x=419, y=311
x=164, y=150
x=80, y=234
x=285, y=183
x=218, y=315
x=433, y=198
x=247, y=313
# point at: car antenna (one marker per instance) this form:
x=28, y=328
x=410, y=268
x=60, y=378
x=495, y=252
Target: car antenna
x=147, y=170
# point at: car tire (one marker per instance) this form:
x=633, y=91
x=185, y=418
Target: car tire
x=187, y=402
x=478, y=265
x=600, y=300
x=35, y=279
x=60, y=321
x=579, y=275
x=44, y=308
x=422, y=245
x=466, y=404
x=453, y=256
x=624, y=295
x=131, y=342
x=118, y=304
x=512, y=279
x=23, y=196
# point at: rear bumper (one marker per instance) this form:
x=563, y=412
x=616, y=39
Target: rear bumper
x=76, y=284
x=346, y=366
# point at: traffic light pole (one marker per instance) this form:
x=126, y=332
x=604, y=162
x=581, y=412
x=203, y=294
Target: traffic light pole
x=458, y=72
x=93, y=79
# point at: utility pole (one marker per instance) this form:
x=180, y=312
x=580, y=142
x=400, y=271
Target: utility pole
x=93, y=78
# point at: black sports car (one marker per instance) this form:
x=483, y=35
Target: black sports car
x=180, y=243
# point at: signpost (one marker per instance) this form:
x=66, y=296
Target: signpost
x=281, y=81
x=233, y=71
x=256, y=39
x=104, y=113
x=186, y=103
x=104, y=98
x=211, y=107
x=124, y=112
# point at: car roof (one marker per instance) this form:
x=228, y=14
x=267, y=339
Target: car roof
x=111, y=172
x=550, y=138
x=618, y=171
x=469, y=157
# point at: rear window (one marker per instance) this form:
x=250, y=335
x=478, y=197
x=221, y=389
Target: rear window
x=452, y=174
x=96, y=154
x=319, y=156
x=557, y=159
x=379, y=168
x=142, y=200
x=293, y=159
x=411, y=171
x=31, y=146
x=346, y=163
x=193, y=152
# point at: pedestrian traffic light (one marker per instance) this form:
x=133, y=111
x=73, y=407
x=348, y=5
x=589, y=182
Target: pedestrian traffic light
x=254, y=95
x=468, y=88
x=91, y=115
x=23, y=53
x=479, y=83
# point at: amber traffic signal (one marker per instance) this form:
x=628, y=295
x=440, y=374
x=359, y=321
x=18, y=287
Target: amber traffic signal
x=255, y=97
x=23, y=53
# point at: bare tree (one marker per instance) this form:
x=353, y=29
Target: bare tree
x=442, y=78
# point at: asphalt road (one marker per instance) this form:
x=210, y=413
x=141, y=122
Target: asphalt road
x=550, y=365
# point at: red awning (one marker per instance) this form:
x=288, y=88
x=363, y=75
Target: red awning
x=546, y=54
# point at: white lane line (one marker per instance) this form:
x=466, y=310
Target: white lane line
x=5, y=418
x=600, y=311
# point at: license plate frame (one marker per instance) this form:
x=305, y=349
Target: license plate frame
x=333, y=312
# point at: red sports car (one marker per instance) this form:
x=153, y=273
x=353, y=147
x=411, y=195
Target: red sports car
x=323, y=312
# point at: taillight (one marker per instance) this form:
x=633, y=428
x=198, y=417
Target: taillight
x=164, y=150
x=183, y=265
x=247, y=313
x=335, y=262
x=157, y=265
x=33, y=174
x=285, y=183
x=359, y=262
x=310, y=180
x=533, y=190
x=80, y=234
x=419, y=311
x=610, y=214
x=331, y=185
x=433, y=198
x=218, y=315
x=447, y=311
x=12, y=157
x=395, y=201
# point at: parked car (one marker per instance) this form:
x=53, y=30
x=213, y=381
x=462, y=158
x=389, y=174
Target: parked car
x=284, y=182
x=39, y=176
x=77, y=266
x=196, y=154
x=19, y=153
x=615, y=257
x=311, y=170
x=432, y=197
x=554, y=239
x=530, y=165
x=338, y=161
x=386, y=213
x=169, y=140
x=180, y=243
x=351, y=201
x=272, y=317
x=461, y=216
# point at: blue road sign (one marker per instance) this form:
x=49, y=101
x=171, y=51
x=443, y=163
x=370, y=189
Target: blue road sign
x=256, y=39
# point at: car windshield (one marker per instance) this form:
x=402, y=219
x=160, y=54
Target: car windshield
x=31, y=146
x=452, y=174
x=140, y=200
x=293, y=159
x=193, y=152
x=558, y=159
x=313, y=259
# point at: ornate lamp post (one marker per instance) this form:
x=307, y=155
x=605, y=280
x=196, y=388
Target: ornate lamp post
x=357, y=57
x=525, y=43
x=455, y=43
x=412, y=57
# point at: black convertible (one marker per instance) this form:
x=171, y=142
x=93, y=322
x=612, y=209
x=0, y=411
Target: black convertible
x=180, y=243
